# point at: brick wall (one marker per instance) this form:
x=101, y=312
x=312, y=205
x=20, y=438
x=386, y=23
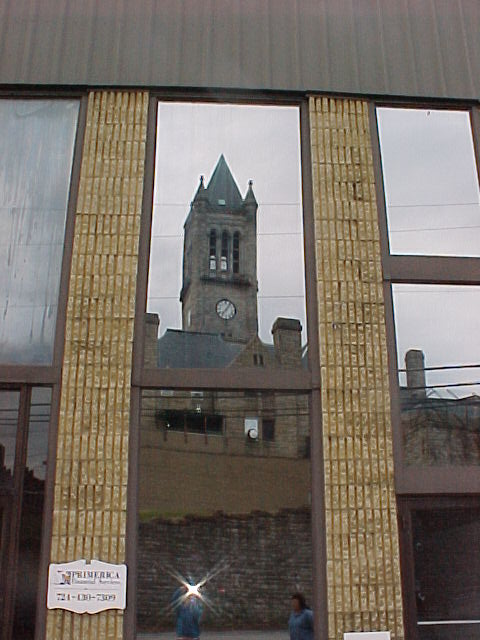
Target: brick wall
x=267, y=558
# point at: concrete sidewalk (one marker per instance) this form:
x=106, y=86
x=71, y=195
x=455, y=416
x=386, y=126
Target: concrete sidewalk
x=221, y=635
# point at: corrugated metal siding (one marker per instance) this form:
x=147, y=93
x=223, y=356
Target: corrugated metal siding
x=387, y=47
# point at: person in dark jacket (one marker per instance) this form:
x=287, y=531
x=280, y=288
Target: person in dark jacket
x=188, y=611
x=300, y=624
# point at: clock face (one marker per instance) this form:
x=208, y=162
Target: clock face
x=226, y=309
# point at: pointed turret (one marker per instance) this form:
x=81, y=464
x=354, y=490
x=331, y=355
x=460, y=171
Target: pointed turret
x=250, y=196
x=201, y=193
x=222, y=190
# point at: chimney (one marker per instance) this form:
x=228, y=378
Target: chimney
x=415, y=367
x=152, y=322
x=287, y=340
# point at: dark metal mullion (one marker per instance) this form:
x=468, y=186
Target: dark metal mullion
x=219, y=379
x=47, y=516
x=407, y=567
x=317, y=472
x=131, y=541
x=59, y=341
x=393, y=383
x=144, y=244
x=475, y=121
x=16, y=510
x=433, y=269
x=28, y=374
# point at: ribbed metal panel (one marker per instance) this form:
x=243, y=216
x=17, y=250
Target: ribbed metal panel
x=386, y=47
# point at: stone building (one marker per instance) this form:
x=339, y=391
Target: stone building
x=437, y=429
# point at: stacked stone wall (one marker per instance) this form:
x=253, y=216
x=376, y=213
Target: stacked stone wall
x=266, y=557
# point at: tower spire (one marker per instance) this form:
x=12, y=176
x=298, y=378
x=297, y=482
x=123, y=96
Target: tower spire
x=250, y=196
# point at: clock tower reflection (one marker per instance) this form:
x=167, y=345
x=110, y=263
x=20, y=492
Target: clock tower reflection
x=219, y=292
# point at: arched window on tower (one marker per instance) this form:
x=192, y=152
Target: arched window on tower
x=224, y=256
x=213, y=250
x=236, y=252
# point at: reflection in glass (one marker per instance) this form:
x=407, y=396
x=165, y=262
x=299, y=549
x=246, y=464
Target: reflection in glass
x=447, y=573
x=439, y=372
x=431, y=182
x=224, y=492
x=36, y=151
x=9, y=405
x=32, y=514
x=226, y=258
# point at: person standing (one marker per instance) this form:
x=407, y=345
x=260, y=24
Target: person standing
x=300, y=623
x=188, y=611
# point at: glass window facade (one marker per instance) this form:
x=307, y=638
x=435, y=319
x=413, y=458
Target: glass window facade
x=36, y=153
x=447, y=566
x=439, y=372
x=224, y=472
x=225, y=505
x=431, y=181
x=24, y=432
x=226, y=256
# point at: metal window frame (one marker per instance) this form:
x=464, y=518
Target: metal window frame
x=248, y=378
x=412, y=480
x=405, y=505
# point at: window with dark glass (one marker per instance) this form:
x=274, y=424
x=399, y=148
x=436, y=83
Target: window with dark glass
x=236, y=252
x=225, y=251
x=446, y=569
x=24, y=425
x=268, y=429
x=36, y=153
x=213, y=250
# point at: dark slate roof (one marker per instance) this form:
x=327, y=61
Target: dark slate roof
x=222, y=186
x=193, y=350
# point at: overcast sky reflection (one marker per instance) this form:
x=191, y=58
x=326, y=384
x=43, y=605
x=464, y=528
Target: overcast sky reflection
x=260, y=143
x=431, y=182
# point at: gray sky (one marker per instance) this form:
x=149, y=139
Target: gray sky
x=431, y=182
x=261, y=143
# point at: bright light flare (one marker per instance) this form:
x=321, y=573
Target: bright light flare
x=194, y=590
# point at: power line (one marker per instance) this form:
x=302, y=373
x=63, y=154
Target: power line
x=476, y=226
x=440, y=204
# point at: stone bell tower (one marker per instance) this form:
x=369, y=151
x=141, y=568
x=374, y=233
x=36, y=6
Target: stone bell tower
x=219, y=292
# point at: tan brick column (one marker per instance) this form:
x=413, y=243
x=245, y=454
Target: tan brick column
x=363, y=569
x=92, y=454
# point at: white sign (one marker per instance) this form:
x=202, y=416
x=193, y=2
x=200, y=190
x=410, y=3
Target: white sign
x=367, y=635
x=84, y=587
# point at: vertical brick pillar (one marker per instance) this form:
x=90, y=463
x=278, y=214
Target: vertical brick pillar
x=363, y=568
x=92, y=453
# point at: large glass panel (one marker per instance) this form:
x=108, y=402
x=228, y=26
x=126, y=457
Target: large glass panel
x=36, y=151
x=431, y=181
x=32, y=514
x=224, y=503
x=9, y=405
x=226, y=279
x=439, y=372
x=447, y=570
